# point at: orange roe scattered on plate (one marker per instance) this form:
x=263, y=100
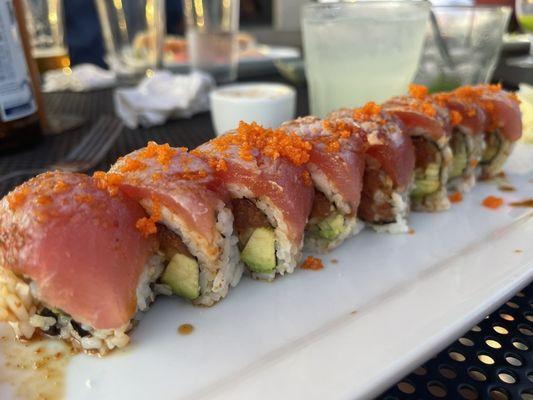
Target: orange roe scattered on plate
x=456, y=197
x=147, y=226
x=312, y=263
x=411, y=231
x=492, y=202
x=17, y=198
x=474, y=163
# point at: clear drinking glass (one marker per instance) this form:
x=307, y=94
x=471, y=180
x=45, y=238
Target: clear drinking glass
x=133, y=33
x=45, y=22
x=212, y=27
x=524, y=12
x=362, y=51
x=472, y=36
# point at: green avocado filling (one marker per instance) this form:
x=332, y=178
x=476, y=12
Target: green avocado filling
x=259, y=253
x=330, y=227
x=492, y=147
x=182, y=275
x=427, y=181
x=460, y=155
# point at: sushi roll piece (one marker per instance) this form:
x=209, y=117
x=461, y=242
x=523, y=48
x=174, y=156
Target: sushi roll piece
x=428, y=125
x=336, y=166
x=272, y=194
x=503, y=124
x=188, y=212
x=467, y=139
x=73, y=265
x=389, y=168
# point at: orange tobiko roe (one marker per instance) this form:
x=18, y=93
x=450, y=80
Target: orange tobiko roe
x=312, y=263
x=456, y=197
x=492, y=202
x=273, y=143
x=147, y=226
x=418, y=91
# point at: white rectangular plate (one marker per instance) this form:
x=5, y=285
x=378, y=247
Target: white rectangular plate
x=344, y=332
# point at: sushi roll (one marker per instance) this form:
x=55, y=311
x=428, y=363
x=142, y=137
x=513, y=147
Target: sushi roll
x=188, y=212
x=272, y=194
x=428, y=125
x=336, y=166
x=503, y=124
x=389, y=166
x=467, y=139
x=73, y=265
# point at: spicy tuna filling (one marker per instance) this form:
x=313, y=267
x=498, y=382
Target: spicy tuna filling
x=427, y=168
x=182, y=273
x=460, y=154
x=325, y=222
x=256, y=237
x=376, y=205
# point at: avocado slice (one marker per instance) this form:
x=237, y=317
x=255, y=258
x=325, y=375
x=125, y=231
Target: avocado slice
x=459, y=150
x=331, y=227
x=426, y=182
x=183, y=276
x=259, y=254
x=493, y=143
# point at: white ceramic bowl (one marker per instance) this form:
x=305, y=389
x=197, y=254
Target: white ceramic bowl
x=268, y=104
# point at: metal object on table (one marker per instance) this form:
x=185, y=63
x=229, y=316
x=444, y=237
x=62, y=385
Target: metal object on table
x=491, y=361
x=84, y=156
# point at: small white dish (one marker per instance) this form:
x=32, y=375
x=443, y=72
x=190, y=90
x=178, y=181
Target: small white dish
x=268, y=104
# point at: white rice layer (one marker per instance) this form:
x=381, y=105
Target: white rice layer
x=218, y=261
x=19, y=306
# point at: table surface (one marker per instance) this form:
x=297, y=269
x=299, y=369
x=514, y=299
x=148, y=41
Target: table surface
x=446, y=375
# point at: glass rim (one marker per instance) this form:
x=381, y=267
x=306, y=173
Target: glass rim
x=354, y=4
x=484, y=7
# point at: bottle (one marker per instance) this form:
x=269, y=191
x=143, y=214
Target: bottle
x=20, y=124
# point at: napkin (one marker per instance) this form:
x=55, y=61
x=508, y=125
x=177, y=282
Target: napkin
x=162, y=96
x=80, y=78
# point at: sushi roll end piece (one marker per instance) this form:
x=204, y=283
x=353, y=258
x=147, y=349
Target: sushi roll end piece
x=73, y=265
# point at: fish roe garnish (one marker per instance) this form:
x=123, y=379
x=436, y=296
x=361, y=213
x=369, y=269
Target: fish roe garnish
x=306, y=176
x=163, y=153
x=492, y=202
x=83, y=198
x=410, y=231
x=418, y=91
x=148, y=226
x=367, y=112
x=132, y=164
x=44, y=199
x=273, y=143
x=60, y=186
x=312, y=263
x=456, y=197
x=455, y=117
x=108, y=181
x=17, y=198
